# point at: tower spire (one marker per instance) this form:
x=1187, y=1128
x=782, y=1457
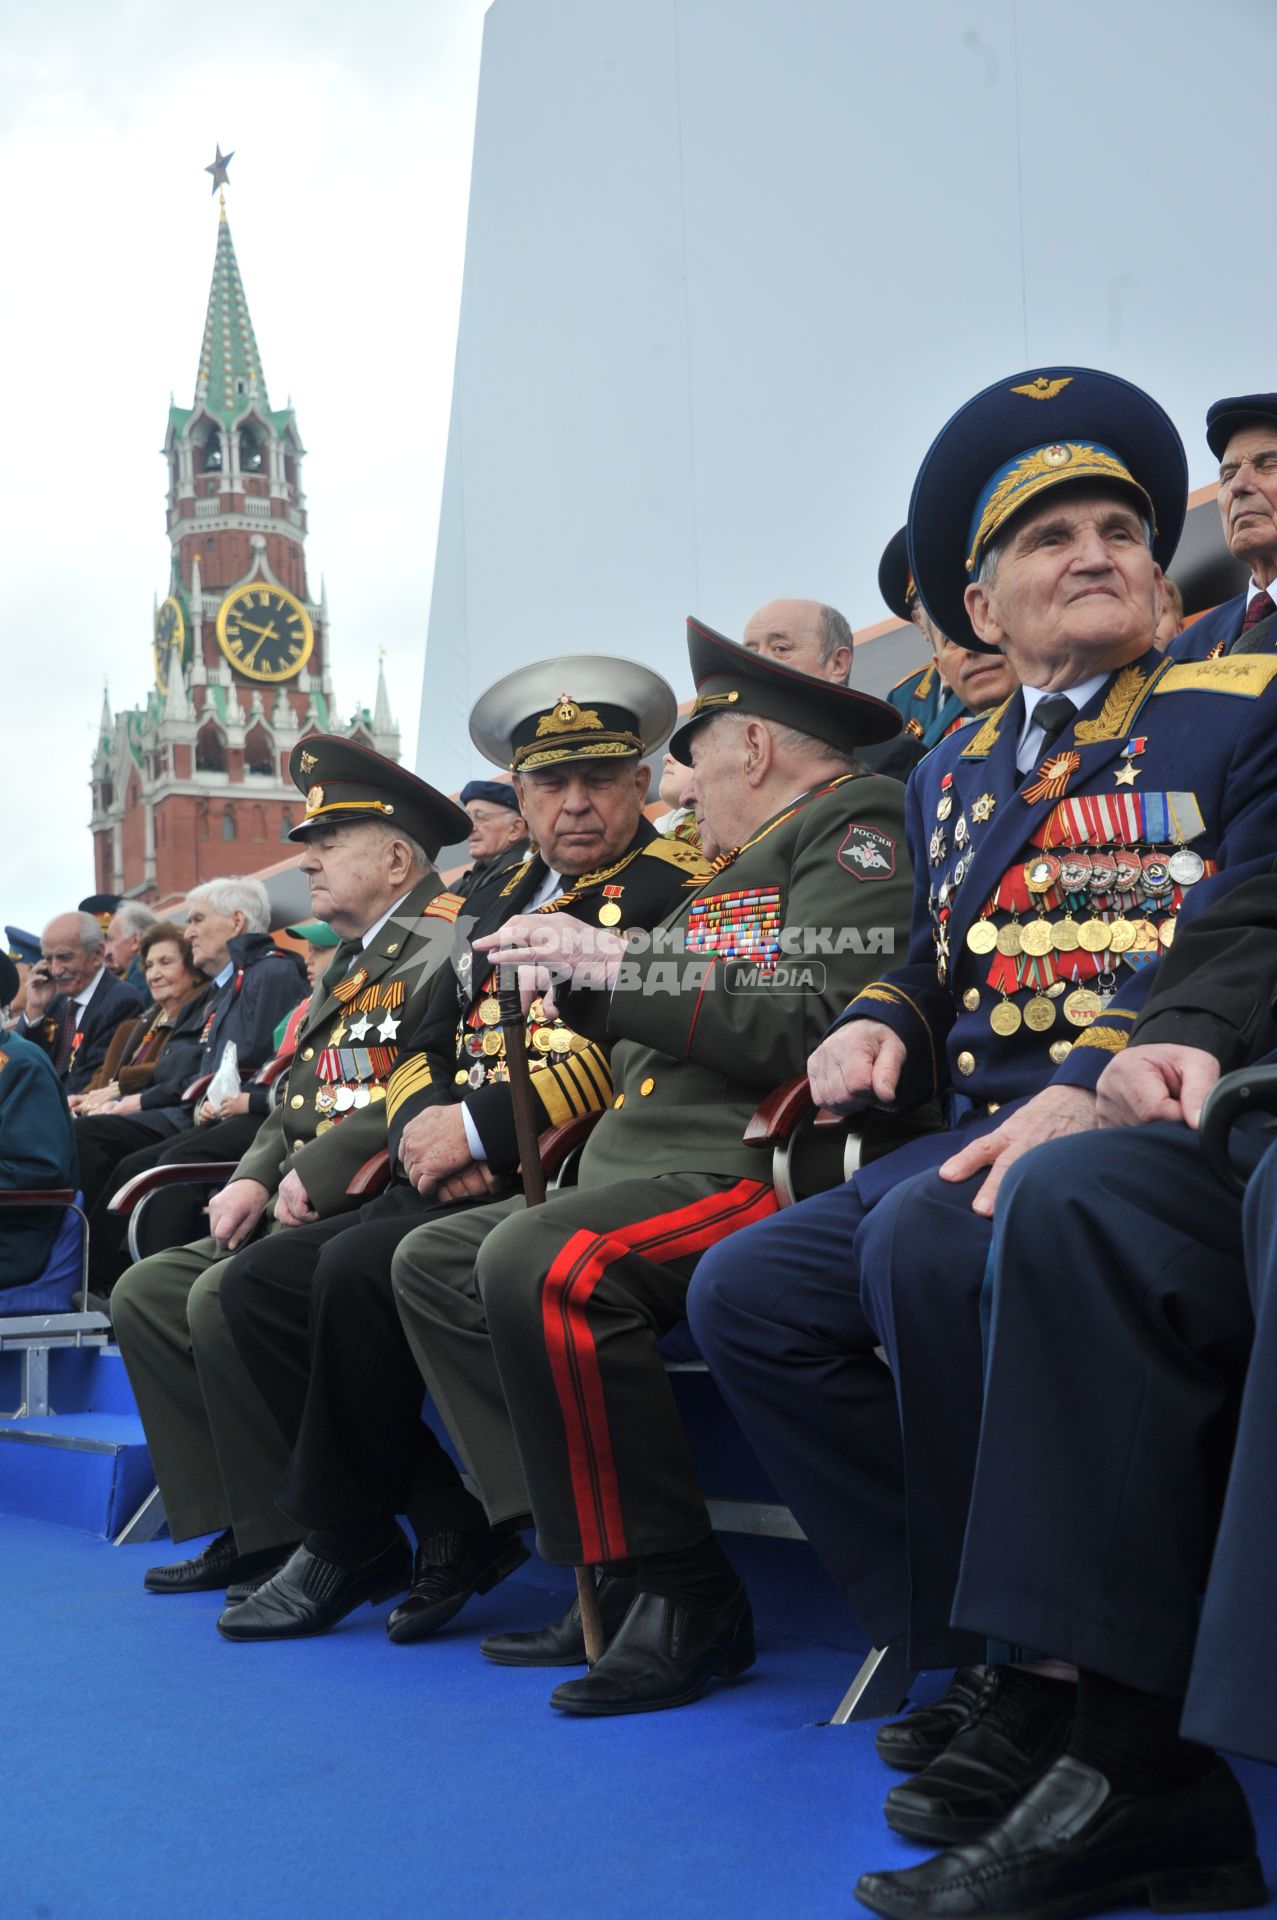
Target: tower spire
x=230, y=378
x=383, y=721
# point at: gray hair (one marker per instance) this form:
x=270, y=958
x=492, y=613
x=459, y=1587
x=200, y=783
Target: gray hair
x=987, y=571
x=134, y=917
x=835, y=632
x=248, y=897
x=92, y=938
x=790, y=740
x=420, y=858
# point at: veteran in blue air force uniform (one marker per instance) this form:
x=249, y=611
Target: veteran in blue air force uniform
x=1053, y=849
x=37, y=1145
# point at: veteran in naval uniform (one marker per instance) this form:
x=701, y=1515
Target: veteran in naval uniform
x=370, y=833
x=1053, y=847
x=312, y=1311
x=558, y=1311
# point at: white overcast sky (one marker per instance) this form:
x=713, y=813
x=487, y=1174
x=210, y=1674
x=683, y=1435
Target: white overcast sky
x=352, y=130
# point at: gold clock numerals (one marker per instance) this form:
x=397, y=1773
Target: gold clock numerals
x=265, y=633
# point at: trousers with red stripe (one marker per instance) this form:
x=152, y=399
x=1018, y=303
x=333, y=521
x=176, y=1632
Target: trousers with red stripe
x=538, y=1333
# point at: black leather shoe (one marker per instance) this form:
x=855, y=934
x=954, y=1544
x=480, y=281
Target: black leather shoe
x=449, y=1566
x=664, y=1655
x=924, y=1733
x=240, y=1589
x=310, y=1595
x=562, y=1643
x=1073, y=1846
x=1018, y=1728
x=216, y=1567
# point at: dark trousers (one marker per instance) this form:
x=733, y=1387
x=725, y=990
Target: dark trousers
x=174, y=1216
x=1129, y=1289
x=313, y=1316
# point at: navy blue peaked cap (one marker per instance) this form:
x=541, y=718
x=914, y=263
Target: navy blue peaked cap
x=895, y=581
x=1031, y=432
x=1246, y=410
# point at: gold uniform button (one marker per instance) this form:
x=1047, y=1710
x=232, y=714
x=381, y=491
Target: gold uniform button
x=646, y=1087
x=619, y=1100
x=308, y=1053
x=1060, y=1051
x=461, y=1077
x=966, y=1063
x=298, y=1100
x=993, y=1106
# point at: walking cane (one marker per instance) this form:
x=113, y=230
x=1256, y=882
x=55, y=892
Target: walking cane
x=513, y=1026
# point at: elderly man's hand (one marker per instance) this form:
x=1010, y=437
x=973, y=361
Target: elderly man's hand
x=1050, y=1115
x=1155, y=1083
x=553, y=948
x=433, y=1146
x=235, y=1211
x=856, y=1066
x=475, y=1182
x=292, y=1202
x=41, y=992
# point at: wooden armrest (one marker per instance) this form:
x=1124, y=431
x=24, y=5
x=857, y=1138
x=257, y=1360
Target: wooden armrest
x=779, y=1113
x=370, y=1179
x=556, y=1143
x=273, y=1069
x=206, y=1173
x=38, y=1197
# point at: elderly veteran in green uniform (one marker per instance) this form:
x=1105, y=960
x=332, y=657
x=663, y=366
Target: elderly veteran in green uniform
x=312, y=1312
x=538, y=1331
x=370, y=834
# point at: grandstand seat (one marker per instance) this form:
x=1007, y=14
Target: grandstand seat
x=42, y=1315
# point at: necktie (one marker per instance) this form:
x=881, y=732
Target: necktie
x=339, y=966
x=1259, y=609
x=1053, y=715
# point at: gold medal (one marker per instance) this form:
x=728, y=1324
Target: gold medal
x=1146, y=937
x=1121, y=936
x=1005, y=1018
x=461, y=1076
x=376, y=1093
x=1010, y=939
x=493, y=1042
x=325, y=1126
x=1060, y=1050
x=1167, y=932
x=543, y=1040
x=489, y=1011
x=1081, y=1007
x=971, y=999
x=609, y=914
x=1093, y=936
x=1064, y=935
x=1037, y=938
x=1039, y=1014
x=982, y=936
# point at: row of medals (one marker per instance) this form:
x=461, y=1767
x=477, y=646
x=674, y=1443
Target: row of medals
x=488, y=1045
x=344, y=1099
x=1120, y=875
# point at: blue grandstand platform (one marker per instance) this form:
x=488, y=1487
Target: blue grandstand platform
x=155, y=1766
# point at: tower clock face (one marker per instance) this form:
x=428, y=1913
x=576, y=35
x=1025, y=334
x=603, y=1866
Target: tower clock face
x=170, y=636
x=265, y=633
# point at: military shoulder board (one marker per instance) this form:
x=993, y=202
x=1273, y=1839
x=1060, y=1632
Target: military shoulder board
x=444, y=906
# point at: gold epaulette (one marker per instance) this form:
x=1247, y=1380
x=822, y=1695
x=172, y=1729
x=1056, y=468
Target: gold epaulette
x=984, y=742
x=1247, y=675
x=679, y=854
x=919, y=681
x=444, y=906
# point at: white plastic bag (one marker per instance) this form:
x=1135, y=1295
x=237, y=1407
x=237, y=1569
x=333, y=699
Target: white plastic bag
x=225, y=1082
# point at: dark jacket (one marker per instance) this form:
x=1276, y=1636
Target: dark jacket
x=266, y=985
x=78, y=1051
x=37, y=1149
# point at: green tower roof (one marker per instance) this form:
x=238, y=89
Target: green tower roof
x=230, y=379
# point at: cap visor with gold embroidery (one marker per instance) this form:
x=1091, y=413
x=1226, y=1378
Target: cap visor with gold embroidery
x=1015, y=442
x=730, y=679
x=345, y=783
x=582, y=706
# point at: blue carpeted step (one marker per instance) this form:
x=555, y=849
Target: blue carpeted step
x=85, y=1470
x=81, y=1379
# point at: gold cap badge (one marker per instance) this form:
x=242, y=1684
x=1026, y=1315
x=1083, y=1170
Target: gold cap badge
x=314, y=799
x=308, y=761
x=1044, y=389
x=567, y=717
